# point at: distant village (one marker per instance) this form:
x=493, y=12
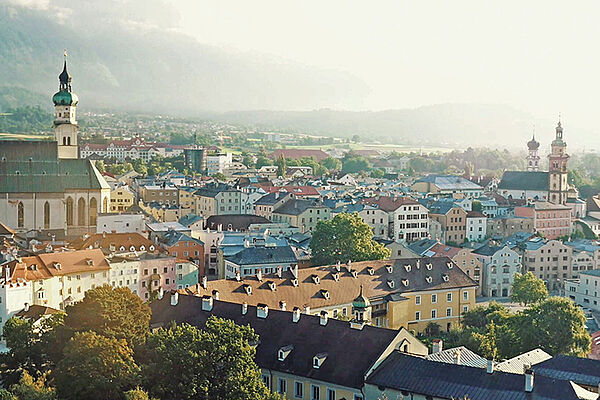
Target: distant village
x=233, y=241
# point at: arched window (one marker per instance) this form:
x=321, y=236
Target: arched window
x=105, y=205
x=20, y=215
x=81, y=212
x=69, y=141
x=46, y=215
x=69, y=211
x=64, y=141
x=93, y=211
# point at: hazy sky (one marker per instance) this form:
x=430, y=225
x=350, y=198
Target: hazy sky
x=540, y=56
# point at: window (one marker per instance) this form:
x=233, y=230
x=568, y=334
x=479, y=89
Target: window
x=448, y=297
x=298, y=390
x=417, y=315
x=449, y=312
x=330, y=394
x=267, y=380
x=46, y=215
x=282, y=386
x=465, y=295
x=20, y=215
x=465, y=309
x=358, y=397
x=417, y=299
x=434, y=298
x=434, y=313
x=316, y=392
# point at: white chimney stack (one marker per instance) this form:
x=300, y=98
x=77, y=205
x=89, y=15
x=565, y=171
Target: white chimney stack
x=161, y=293
x=204, y=282
x=528, y=379
x=282, y=305
x=174, y=298
x=262, y=310
x=296, y=314
x=244, y=308
x=438, y=346
x=457, y=357
x=490, y=366
x=215, y=294
x=324, y=317
x=207, y=303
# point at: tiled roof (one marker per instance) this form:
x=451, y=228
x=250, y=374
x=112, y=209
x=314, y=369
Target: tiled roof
x=442, y=250
x=404, y=372
x=256, y=255
x=422, y=246
x=345, y=289
x=35, y=312
x=584, y=371
x=172, y=238
x=271, y=198
x=516, y=364
x=298, y=191
x=450, y=182
x=297, y=206
x=461, y=354
x=524, y=180
x=104, y=241
x=5, y=230
x=307, y=336
x=546, y=205
x=388, y=203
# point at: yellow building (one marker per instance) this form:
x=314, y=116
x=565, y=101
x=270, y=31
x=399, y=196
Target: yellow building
x=406, y=293
x=300, y=356
x=121, y=199
x=61, y=279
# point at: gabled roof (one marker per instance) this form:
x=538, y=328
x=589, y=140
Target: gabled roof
x=256, y=255
x=350, y=352
x=104, y=241
x=460, y=354
x=271, y=198
x=236, y=222
x=388, y=203
x=524, y=180
x=297, y=206
x=190, y=219
x=173, y=237
x=403, y=372
x=516, y=364
x=450, y=182
x=584, y=371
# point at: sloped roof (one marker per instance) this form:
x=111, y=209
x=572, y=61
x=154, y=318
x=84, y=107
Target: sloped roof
x=584, y=371
x=450, y=182
x=388, y=203
x=307, y=336
x=300, y=153
x=516, y=364
x=238, y=222
x=462, y=354
x=71, y=262
x=256, y=255
x=105, y=240
x=297, y=206
x=524, y=180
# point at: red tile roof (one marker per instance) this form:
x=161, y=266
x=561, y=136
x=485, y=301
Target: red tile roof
x=387, y=203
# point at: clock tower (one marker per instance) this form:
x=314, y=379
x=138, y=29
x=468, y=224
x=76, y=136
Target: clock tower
x=558, y=174
x=65, y=116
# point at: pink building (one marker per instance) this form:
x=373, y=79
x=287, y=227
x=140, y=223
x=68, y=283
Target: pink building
x=550, y=220
x=156, y=271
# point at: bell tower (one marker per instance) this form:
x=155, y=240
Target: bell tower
x=558, y=173
x=533, y=159
x=65, y=116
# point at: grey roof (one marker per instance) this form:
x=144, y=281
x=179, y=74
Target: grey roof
x=450, y=182
x=34, y=166
x=422, y=246
x=271, y=198
x=190, y=219
x=297, y=206
x=516, y=364
x=584, y=371
x=403, y=372
x=174, y=237
x=594, y=272
x=524, y=180
x=467, y=357
x=264, y=255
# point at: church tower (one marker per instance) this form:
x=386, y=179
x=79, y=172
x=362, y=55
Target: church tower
x=558, y=175
x=65, y=116
x=533, y=159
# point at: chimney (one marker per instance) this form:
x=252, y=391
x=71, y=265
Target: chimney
x=26, y=308
x=282, y=305
x=438, y=346
x=215, y=294
x=204, y=282
x=161, y=293
x=307, y=310
x=207, y=303
x=244, y=308
x=490, y=366
x=324, y=317
x=262, y=310
x=349, y=266
x=238, y=277
x=259, y=275
x=174, y=298
x=457, y=357
x=279, y=271
x=338, y=266
x=295, y=271
x=528, y=379
x=296, y=314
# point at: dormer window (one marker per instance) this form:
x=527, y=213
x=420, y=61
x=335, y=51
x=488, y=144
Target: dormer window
x=429, y=279
x=295, y=282
x=390, y=283
x=316, y=279
x=142, y=248
x=449, y=265
x=272, y=285
x=325, y=294
x=389, y=268
x=354, y=273
x=90, y=262
x=405, y=282
x=57, y=265
x=248, y=289
x=284, y=352
x=319, y=359
x=151, y=248
x=429, y=267
x=407, y=267
x=445, y=277
x=370, y=270
x=122, y=248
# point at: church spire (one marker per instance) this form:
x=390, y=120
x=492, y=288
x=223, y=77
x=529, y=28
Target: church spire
x=64, y=78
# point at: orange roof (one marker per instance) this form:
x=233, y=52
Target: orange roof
x=48, y=265
x=442, y=250
x=120, y=242
x=388, y=203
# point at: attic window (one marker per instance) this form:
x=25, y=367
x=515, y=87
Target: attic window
x=295, y=282
x=316, y=279
x=122, y=248
x=272, y=285
x=429, y=267
x=57, y=265
x=390, y=283
x=284, y=352
x=336, y=276
x=429, y=279
x=407, y=267
x=132, y=248
x=33, y=267
x=354, y=273
x=370, y=270
x=248, y=289
x=151, y=248
x=319, y=359
x=449, y=265
x=325, y=294
x=142, y=248
x=445, y=277
x=405, y=282
x=90, y=262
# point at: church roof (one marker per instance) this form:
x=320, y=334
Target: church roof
x=34, y=166
x=524, y=180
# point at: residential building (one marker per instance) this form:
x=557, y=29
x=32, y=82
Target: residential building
x=410, y=293
x=549, y=260
x=585, y=255
x=499, y=265
x=157, y=271
x=121, y=199
x=15, y=294
x=377, y=219
x=217, y=163
x=447, y=185
x=164, y=212
x=121, y=223
x=476, y=226
x=296, y=355
x=161, y=194
x=408, y=220
x=489, y=206
x=303, y=214
x=549, y=220
x=238, y=223
x=186, y=197
x=124, y=271
x=585, y=289
x=115, y=243
x=266, y=204
x=186, y=274
x=185, y=247
x=453, y=221
x=505, y=226
x=259, y=259
x=470, y=264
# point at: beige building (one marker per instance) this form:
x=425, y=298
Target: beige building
x=161, y=194
x=471, y=265
x=303, y=214
x=121, y=199
x=506, y=226
x=548, y=260
x=453, y=220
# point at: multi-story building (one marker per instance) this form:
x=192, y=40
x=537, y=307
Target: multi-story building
x=121, y=223
x=259, y=259
x=585, y=290
x=217, y=163
x=499, y=265
x=505, y=226
x=409, y=293
x=476, y=226
x=186, y=274
x=550, y=260
x=297, y=357
x=121, y=199
x=186, y=197
x=132, y=149
x=220, y=200
x=453, y=221
x=161, y=194
x=585, y=256
x=408, y=220
x=550, y=220
x=157, y=271
x=124, y=271
x=266, y=204
x=303, y=214
x=377, y=219
x=185, y=247
x=447, y=185
x=470, y=264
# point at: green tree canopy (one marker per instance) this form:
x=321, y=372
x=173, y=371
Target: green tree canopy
x=528, y=289
x=96, y=367
x=332, y=164
x=111, y=312
x=352, y=163
x=344, y=238
x=183, y=362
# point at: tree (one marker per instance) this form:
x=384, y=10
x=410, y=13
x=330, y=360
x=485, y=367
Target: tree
x=346, y=237
x=100, y=166
x=29, y=388
x=377, y=173
x=332, y=164
x=261, y=161
x=220, y=177
x=6, y=395
x=355, y=138
x=528, y=289
x=96, y=367
x=281, y=166
x=556, y=325
x=111, y=312
x=137, y=394
x=216, y=362
x=352, y=163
